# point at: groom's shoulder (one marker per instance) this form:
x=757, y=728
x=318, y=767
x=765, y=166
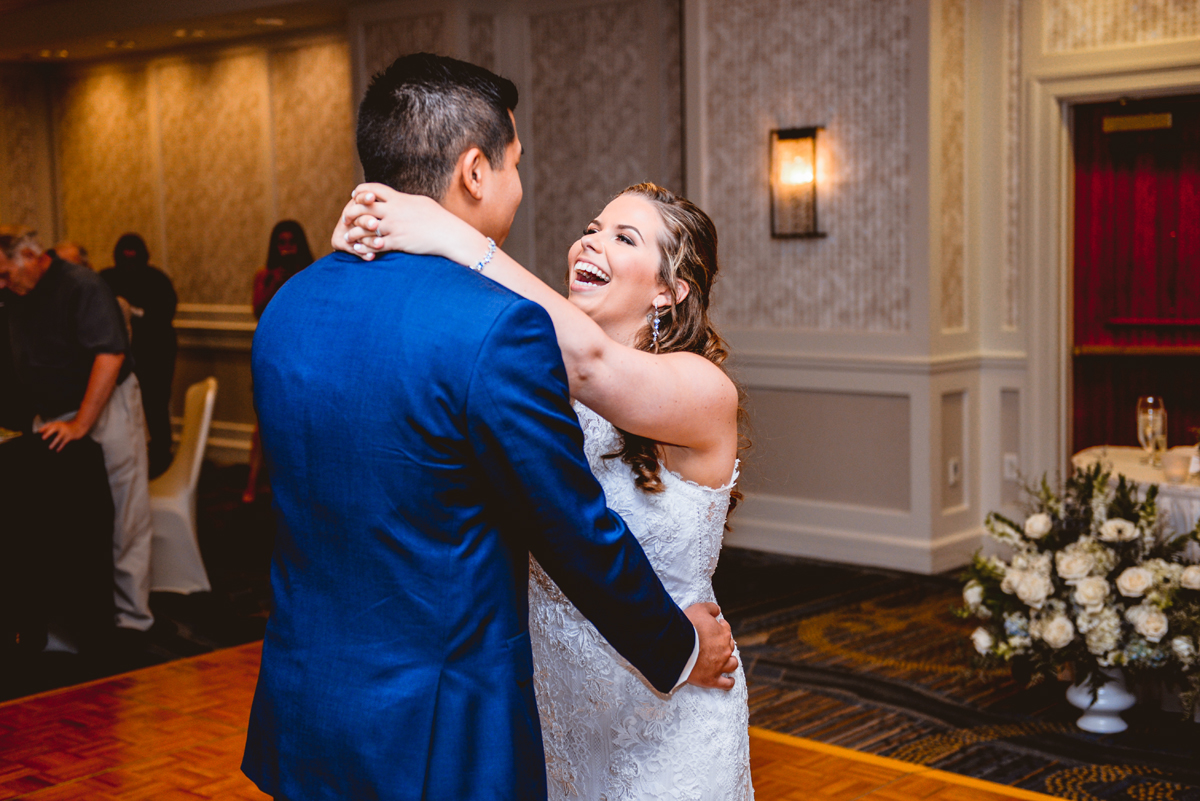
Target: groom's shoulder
x=406, y=272
x=411, y=288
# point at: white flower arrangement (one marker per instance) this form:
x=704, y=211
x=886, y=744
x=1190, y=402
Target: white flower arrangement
x=1093, y=582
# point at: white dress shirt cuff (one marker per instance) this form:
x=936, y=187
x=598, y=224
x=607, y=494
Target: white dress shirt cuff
x=691, y=663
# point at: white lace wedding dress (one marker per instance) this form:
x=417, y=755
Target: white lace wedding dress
x=609, y=736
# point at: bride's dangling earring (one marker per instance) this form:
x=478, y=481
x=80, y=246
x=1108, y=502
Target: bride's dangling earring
x=654, y=324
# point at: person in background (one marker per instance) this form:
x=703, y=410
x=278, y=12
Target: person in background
x=152, y=300
x=287, y=254
x=71, y=359
x=77, y=254
x=13, y=412
x=74, y=253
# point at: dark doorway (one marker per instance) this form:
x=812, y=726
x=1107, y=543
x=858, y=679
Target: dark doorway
x=1137, y=267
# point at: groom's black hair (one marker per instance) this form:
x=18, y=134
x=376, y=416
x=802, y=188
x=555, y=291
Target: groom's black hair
x=421, y=113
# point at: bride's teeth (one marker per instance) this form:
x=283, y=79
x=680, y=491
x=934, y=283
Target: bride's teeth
x=594, y=272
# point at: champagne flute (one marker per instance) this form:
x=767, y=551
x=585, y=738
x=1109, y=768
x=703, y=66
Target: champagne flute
x=1158, y=445
x=1151, y=416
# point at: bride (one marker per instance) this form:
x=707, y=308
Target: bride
x=660, y=423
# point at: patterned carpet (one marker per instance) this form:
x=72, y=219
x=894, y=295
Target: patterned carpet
x=874, y=661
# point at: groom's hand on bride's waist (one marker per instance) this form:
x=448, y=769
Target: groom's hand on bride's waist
x=716, y=648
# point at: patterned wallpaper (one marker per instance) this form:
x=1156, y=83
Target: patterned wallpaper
x=202, y=155
x=20, y=104
x=482, y=37
x=605, y=114
x=854, y=82
x=953, y=165
x=1012, y=162
x=107, y=159
x=670, y=50
x=216, y=173
x=1069, y=25
x=386, y=40
x=312, y=114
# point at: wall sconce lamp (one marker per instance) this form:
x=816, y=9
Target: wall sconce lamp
x=794, y=182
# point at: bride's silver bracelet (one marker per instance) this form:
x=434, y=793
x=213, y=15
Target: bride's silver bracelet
x=487, y=258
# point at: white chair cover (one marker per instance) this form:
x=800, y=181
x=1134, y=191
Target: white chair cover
x=175, y=563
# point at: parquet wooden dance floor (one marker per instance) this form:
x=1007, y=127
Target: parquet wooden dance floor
x=176, y=731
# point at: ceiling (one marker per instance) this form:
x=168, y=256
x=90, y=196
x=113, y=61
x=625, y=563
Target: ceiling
x=56, y=31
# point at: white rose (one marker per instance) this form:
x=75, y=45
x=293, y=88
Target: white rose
x=1074, y=565
x=1019, y=644
x=1118, y=530
x=1038, y=526
x=1034, y=588
x=1091, y=593
x=1184, y=649
x=982, y=640
x=1101, y=640
x=1190, y=578
x=1012, y=577
x=1058, y=632
x=1134, y=581
x=973, y=593
x=1151, y=623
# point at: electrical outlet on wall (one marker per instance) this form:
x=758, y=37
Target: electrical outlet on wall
x=1012, y=467
x=953, y=471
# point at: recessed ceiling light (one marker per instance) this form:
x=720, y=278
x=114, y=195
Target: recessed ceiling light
x=198, y=34
x=270, y=21
x=45, y=54
x=112, y=44
x=180, y=33
x=63, y=54
x=129, y=44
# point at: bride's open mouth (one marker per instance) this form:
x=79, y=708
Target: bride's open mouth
x=589, y=274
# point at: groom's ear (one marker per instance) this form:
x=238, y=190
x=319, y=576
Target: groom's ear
x=472, y=165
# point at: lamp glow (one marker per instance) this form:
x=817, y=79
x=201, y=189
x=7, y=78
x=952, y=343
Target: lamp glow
x=797, y=171
x=794, y=183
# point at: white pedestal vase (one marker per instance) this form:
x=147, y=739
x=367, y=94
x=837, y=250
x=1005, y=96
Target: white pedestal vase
x=1102, y=714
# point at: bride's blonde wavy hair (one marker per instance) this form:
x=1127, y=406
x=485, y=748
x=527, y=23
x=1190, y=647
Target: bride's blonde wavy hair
x=688, y=253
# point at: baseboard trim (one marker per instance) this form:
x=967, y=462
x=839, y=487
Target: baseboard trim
x=865, y=548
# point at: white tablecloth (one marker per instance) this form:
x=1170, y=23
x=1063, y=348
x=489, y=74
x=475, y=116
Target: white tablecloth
x=1178, y=504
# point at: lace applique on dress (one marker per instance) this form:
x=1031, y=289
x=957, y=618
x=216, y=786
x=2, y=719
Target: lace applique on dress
x=608, y=734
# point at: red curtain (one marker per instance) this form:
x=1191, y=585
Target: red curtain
x=1137, y=270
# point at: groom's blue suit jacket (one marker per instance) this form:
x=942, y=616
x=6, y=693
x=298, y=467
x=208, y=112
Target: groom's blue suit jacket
x=416, y=424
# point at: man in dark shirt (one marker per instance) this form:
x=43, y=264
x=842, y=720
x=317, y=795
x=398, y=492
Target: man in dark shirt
x=13, y=414
x=71, y=358
x=151, y=296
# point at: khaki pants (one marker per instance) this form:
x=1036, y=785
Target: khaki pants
x=121, y=432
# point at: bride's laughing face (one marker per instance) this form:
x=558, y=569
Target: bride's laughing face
x=614, y=267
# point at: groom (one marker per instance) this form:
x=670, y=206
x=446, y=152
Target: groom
x=421, y=443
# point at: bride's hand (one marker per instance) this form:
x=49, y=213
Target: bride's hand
x=378, y=218
x=357, y=226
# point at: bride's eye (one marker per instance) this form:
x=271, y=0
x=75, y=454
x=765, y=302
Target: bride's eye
x=591, y=229
x=624, y=239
